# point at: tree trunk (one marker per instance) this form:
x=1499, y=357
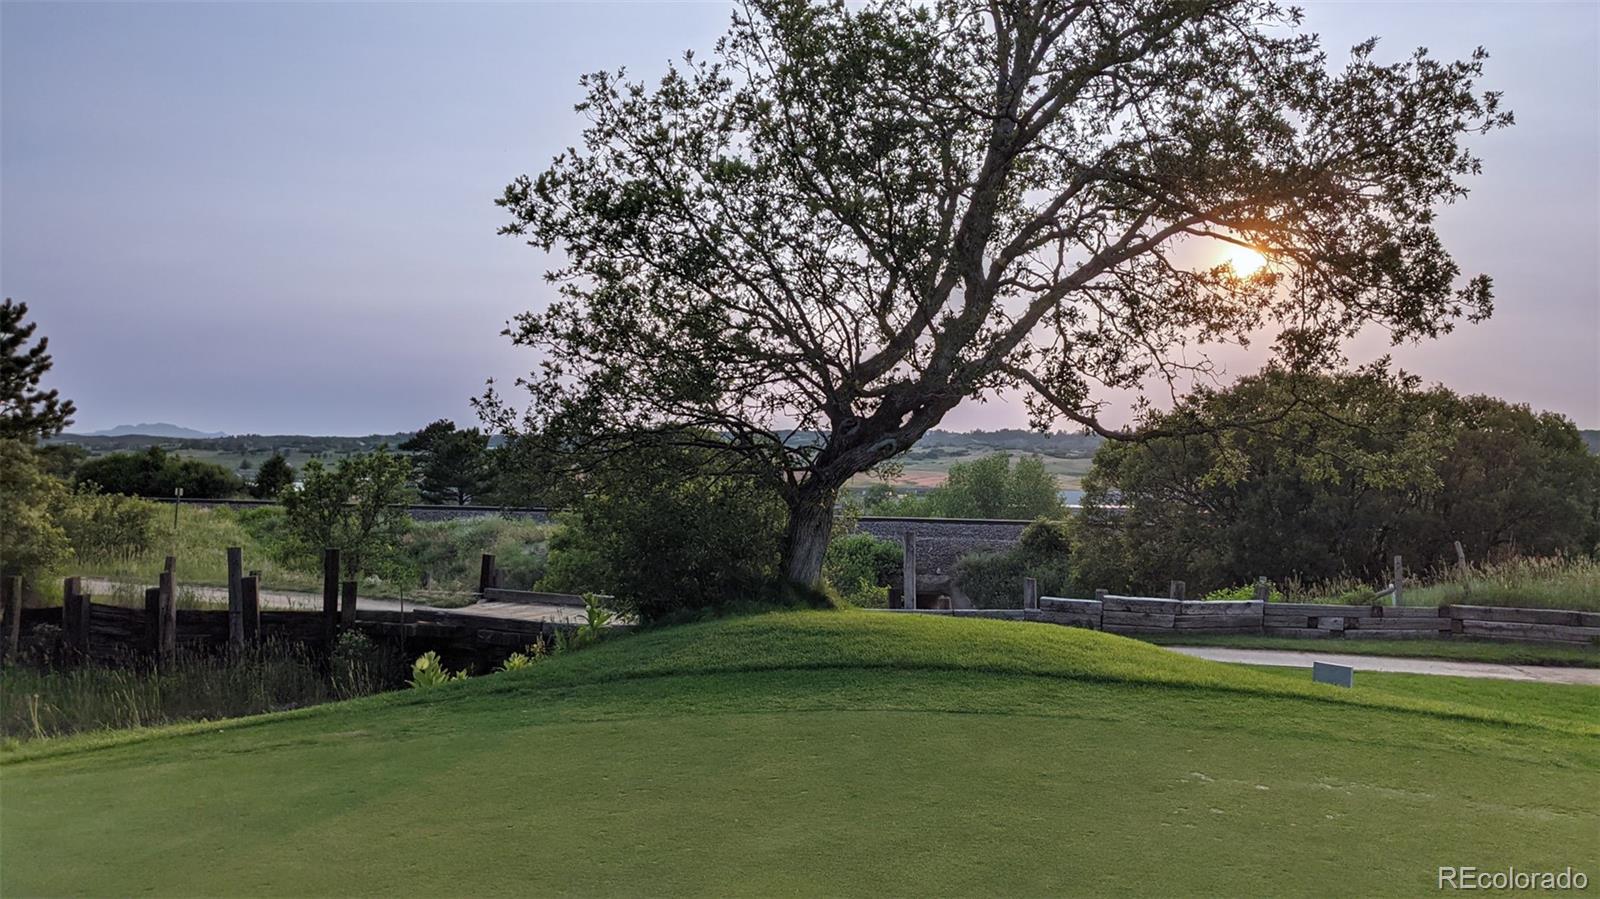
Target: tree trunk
x=806, y=540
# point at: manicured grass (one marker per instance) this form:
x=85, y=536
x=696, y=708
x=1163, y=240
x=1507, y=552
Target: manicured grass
x=827, y=753
x=1460, y=650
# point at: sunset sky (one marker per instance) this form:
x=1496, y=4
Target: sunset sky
x=278, y=218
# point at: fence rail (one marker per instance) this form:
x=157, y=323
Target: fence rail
x=1147, y=615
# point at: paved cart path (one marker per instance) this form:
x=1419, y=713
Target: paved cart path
x=304, y=602
x=1392, y=665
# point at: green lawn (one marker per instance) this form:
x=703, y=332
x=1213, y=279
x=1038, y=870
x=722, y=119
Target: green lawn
x=829, y=753
x=1459, y=650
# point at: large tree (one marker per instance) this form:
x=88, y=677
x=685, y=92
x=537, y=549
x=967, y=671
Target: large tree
x=452, y=465
x=815, y=245
x=1365, y=466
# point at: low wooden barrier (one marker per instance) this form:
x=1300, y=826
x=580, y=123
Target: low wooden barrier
x=1145, y=615
x=113, y=634
x=157, y=630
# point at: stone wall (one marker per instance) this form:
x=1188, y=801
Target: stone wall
x=938, y=543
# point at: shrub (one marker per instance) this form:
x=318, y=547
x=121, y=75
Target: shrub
x=1243, y=592
x=361, y=665
x=428, y=671
x=449, y=550
x=661, y=538
x=993, y=580
x=107, y=527
x=860, y=568
x=32, y=543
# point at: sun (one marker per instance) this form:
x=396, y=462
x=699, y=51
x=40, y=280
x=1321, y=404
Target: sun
x=1245, y=261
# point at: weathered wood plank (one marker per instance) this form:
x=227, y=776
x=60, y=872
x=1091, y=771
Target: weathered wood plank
x=1110, y=618
x=535, y=597
x=1527, y=616
x=1312, y=608
x=1221, y=607
x=1113, y=603
x=1559, y=632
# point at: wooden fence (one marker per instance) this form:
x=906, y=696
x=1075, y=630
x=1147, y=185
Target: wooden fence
x=1145, y=615
x=158, y=630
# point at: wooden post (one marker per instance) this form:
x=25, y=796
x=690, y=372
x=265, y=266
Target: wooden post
x=908, y=572
x=1100, y=597
x=171, y=564
x=11, y=593
x=1030, y=593
x=235, y=599
x=485, y=573
x=347, y=607
x=1263, y=590
x=1399, y=579
x=250, y=606
x=75, y=618
x=1461, y=563
x=330, y=593
x=167, y=619
x=1175, y=590
x=152, y=621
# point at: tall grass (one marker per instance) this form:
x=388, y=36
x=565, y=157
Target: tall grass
x=41, y=699
x=447, y=551
x=1529, y=583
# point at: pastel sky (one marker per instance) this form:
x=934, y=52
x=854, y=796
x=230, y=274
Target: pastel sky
x=278, y=218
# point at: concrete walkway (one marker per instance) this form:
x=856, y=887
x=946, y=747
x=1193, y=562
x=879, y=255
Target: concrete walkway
x=1392, y=665
x=311, y=602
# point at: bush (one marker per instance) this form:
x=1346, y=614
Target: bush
x=860, y=568
x=1243, y=592
x=449, y=550
x=428, y=671
x=361, y=665
x=32, y=542
x=663, y=539
x=993, y=580
x=107, y=527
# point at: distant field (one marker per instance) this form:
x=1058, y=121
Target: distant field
x=929, y=467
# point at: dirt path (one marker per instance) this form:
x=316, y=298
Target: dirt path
x=1392, y=665
x=310, y=602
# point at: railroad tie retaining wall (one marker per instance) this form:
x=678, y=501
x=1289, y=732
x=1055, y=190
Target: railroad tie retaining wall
x=1145, y=615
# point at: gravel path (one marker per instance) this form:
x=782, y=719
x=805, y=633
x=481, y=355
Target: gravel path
x=1392, y=665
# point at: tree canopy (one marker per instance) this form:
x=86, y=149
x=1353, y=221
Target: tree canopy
x=814, y=245
x=987, y=487
x=157, y=473
x=1363, y=466
x=26, y=412
x=452, y=465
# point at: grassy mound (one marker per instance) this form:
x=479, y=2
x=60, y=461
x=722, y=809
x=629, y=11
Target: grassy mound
x=828, y=752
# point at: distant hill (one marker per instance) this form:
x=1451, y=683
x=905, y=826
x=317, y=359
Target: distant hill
x=1591, y=436
x=157, y=429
